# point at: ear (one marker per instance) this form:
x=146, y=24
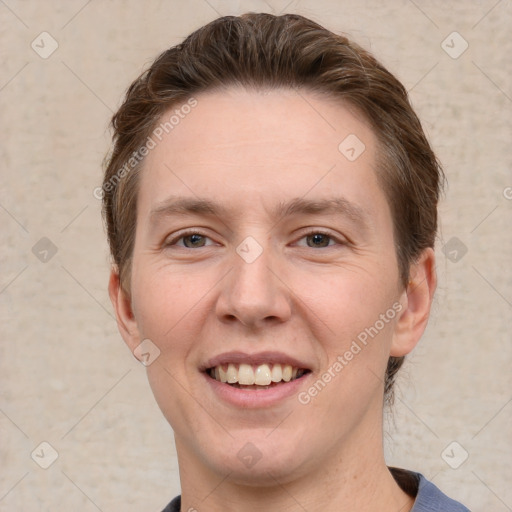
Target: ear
x=126, y=322
x=416, y=301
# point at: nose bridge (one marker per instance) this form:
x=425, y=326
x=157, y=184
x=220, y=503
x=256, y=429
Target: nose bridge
x=252, y=292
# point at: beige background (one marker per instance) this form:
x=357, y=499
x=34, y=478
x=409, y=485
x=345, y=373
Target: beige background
x=66, y=376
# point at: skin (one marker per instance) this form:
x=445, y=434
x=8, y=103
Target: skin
x=250, y=151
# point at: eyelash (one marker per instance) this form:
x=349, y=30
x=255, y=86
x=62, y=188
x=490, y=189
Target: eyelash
x=185, y=234
x=324, y=233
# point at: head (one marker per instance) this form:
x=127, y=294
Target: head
x=251, y=113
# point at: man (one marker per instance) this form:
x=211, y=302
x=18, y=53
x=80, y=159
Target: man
x=271, y=206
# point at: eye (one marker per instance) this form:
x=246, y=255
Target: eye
x=190, y=240
x=319, y=239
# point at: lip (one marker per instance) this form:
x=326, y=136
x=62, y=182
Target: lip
x=255, y=359
x=256, y=398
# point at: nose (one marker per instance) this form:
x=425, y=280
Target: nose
x=253, y=292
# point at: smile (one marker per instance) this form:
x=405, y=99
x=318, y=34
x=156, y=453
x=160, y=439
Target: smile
x=251, y=376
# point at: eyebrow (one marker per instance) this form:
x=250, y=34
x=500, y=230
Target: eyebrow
x=175, y=206
x=185, y=206
x=328, y=206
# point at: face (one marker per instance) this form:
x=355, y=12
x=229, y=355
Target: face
x=264, y=253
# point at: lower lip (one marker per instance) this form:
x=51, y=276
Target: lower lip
x=254, y=398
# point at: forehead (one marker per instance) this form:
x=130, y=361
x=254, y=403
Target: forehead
x=253, y=147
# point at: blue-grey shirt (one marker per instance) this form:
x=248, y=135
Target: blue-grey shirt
x=428, y=497
x=431, y=499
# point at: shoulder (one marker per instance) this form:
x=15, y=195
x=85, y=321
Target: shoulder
x=432, y=499
x=174, y=506
x=428, y=497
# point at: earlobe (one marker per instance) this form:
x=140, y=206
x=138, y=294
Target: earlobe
x=126, y=321
x=416, y=301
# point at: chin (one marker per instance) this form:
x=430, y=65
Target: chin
x=256, y=461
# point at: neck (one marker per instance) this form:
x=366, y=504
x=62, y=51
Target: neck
x=354, y=478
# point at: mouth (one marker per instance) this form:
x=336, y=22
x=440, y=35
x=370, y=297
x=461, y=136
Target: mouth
x=255, y=376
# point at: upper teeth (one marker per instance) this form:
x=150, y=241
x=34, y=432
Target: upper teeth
x=261, y=375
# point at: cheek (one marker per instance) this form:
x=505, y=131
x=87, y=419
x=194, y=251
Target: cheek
x=347, y=303
x=356, y=348
x=172, y=307
x=165, y=300
x=355, y=316
x=169, y=308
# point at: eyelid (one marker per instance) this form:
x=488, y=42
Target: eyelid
x=175, y=237
x=340, y=240
x=172, y=240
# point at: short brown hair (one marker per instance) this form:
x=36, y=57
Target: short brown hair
x=261, y=51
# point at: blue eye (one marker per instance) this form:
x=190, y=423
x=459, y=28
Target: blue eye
x=191, y=240
x=196, y=240
x=318, y=239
